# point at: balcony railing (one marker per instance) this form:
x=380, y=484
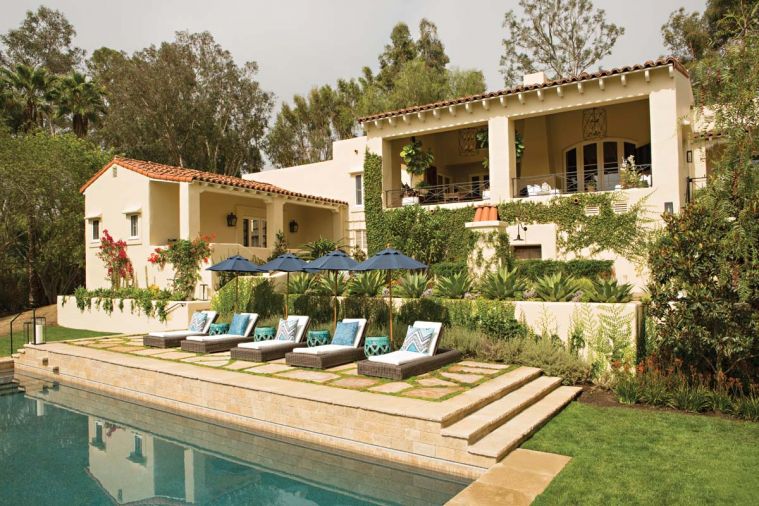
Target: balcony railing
x=559, y=184
x=437, y=194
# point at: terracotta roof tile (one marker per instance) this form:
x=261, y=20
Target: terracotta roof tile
x=184, y=175
x=486, y=213
x=670, y=60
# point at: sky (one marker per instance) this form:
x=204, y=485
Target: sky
x=300, y=43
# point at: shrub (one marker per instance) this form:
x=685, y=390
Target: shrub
x=579, y=268
x=556, y=288
x=548, y=354
x=423, y=309
x=627, y=389
x=320, y=247
x=318, y=307
x=608, y=290
x=185, y=256
x=301, y=283
x=447, y=268
x=502, y=284
x=373, y=309
x=366, y=284
x=114, y=256
x=264, y=300
x=455, y=286
x=413, y=285
x=223, y=301
x=747, y=407
x=149, y=301
x=687, y=397
x=326, y=284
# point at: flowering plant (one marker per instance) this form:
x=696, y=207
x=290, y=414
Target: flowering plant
x=114, y=256
x=185, y=256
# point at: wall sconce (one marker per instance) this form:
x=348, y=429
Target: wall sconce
x=293, y=226
x=669, y=208
x=520, y=228
x=231, y=220
x=689, y=156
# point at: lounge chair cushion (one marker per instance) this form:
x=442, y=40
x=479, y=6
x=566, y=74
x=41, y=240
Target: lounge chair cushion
x=321, y=350
x=174, y=333
x=239, y=322
x=211, y=339
x=437, y=329
x=286, y=330
x=345, y=333
x=418, y=340
x=399, y=357
x=261, y=345
x=198, y=322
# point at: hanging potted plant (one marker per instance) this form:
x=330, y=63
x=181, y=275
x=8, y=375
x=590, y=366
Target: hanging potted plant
x=417, y=162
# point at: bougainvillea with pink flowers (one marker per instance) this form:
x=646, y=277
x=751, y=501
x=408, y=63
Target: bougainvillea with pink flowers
x=114, y=256
x=186, y=257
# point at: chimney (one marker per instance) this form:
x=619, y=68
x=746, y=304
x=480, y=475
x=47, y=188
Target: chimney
x=536, y=78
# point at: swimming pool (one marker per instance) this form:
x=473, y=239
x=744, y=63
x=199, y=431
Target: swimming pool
x=64, y=445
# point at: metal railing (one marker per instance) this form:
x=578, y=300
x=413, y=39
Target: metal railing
x=694, y=183
x=561, y=183
x=436, y=194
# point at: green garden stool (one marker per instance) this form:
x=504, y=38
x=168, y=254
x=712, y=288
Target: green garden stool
x=264, y=333
x=378, y=345
x=218, y=329
x=317, y=338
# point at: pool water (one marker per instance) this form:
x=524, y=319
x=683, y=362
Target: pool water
x=64, y=445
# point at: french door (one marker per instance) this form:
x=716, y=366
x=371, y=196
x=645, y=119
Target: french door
x=594, y=166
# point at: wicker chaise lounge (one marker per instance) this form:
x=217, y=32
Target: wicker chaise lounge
x=331, y=355
x=172, y=338
x=272, y=349
x=403, y=364
x=221, y=342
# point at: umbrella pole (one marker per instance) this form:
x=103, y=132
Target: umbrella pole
x=390, y=293
x=334, y=304
x=237, y=288
x=287, y=293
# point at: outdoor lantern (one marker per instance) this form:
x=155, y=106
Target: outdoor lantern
x=293, y=226
x=231, y=220
x=689, y=156
x=520, y=228
x=669, y=208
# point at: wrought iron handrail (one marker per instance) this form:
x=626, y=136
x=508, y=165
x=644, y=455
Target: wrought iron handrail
x=438, y=194
x=694, y=183
x=561, y=183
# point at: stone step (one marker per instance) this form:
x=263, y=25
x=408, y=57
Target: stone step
x=480, y=423
x=508, y=436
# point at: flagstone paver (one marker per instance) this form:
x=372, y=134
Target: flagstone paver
x=199, y=358
x=341, y=368
x=353, y=369
x=436, y=382
x=126, y=349
x=240, y=364
x=214, y=363
x=270, y=368
x=153, y=351
x=104, y=345
x=176, y=355
x=462, y=378
x=391, y=388
x=355, y=382
x=300, y=374
x=472, y=370
x=431, y=393
x=485, y=365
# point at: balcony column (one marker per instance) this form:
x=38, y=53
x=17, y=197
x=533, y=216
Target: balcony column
x=502, y=158
x=667, y=163
x=189, y=211
x=275, y=220
x=194, y=476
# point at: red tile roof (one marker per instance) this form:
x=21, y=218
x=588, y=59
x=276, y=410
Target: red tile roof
x=183, y=175
x=516, y=89
x=486, y=213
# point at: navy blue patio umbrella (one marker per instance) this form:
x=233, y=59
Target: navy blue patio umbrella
x=336, y=261
x=287, y=262
x=389, y=260
x=236, y=264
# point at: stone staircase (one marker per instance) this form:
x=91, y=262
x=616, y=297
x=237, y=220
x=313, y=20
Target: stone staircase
x=8, y=384
x=510, y=415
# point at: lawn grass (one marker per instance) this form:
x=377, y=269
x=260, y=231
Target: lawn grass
x=632, y=456
x=53, y=333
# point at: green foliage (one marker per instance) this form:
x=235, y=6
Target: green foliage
x=502, y=284
x=557, y=288
x=280, y=245
x=366, y=284
x=185, y=256
x=417, y=160
x=241, y=288
x=536, y=269
x=608, y=290
x=493, y=318
x=375, y=310
x=377, y=235
x=302, y=283
x=332, y=283
x=320, y=247
x=318, y=307
x=455, y=286
x=412, y=285
x=151, y=302
x=447, y=268
x=423, y=309
x=265, y=300
x=548, y=354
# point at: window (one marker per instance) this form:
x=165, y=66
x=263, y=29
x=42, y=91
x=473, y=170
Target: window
x=134, y=229
x=571, y=164
x=254, y=232
x=528, y=252
x=359, y=190
x=590, y=167
x=95, y=229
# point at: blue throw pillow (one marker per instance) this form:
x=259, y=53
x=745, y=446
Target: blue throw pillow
x=239, y=324
x=418, y=340
x=198, y=322
x=286, y=330
x=345, y=333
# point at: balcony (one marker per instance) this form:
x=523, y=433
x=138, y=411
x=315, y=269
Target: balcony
x=560, y=184
x=437, y=194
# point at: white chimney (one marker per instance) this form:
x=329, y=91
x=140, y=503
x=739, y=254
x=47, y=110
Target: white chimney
x=536, y=78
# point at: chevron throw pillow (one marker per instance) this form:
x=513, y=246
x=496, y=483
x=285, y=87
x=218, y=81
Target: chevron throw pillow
x=286, y=330
x=418, y=340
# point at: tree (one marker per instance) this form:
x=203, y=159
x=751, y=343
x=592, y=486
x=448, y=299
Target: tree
x=81, y=100
x=561, y=37
x=184, y=103
x=429, y=46
x=44, y=39
x=401, y=49
x=30, y=93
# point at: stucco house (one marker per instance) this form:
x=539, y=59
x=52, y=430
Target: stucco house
x=575, y=133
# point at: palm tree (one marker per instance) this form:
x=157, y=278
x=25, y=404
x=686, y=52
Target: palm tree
x=82, y=100
x=32, y=90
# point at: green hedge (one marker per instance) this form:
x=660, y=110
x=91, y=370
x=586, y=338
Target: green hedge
x=447, y=269
x=536, y=269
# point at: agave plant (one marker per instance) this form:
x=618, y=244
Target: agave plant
x=302, y=283
x=320, y=247
x=331, y=283
x=608, y=290
x=455, y=286
x=366, y=284
x=503, y=284
x=412, y=285
x=557, y=288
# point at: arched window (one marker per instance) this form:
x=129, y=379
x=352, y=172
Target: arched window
x=594, y=166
